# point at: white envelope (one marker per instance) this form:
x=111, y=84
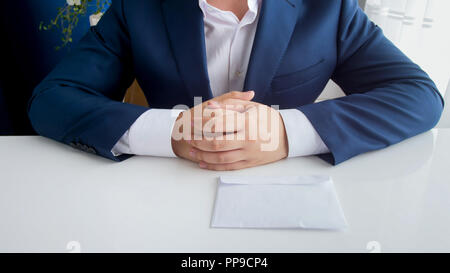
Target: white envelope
x=305, y=202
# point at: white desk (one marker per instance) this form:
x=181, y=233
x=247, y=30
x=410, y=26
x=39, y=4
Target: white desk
x=51, y=194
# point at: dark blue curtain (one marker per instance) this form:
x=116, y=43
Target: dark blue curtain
x=27, y=56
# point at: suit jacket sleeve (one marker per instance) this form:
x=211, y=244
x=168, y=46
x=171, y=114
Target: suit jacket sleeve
x=80, y=102
x=389, y=98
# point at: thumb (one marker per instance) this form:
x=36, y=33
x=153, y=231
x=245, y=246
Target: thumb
x=248, y=96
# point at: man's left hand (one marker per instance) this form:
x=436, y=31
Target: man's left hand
x=240, y=134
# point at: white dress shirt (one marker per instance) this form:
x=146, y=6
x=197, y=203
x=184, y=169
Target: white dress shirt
x=229, y=42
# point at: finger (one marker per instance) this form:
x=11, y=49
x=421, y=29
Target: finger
x=215, y=119
x=229, y=122
x=232, y=102
x=216, y=145
x=185, y=153
x=228, y=103
x=222, y=136
x=218, y=157
x=233, y=107
x=224, y=167
x=248, y=96
x=237, y=105
x=212, y=104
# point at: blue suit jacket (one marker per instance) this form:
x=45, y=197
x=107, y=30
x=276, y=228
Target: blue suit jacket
x=299, y=46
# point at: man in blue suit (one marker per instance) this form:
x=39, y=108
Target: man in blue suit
x=284, y=51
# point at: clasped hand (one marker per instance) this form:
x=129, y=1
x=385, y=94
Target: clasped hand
x=230, y=132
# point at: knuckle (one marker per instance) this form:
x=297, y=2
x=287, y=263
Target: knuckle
x=230, y=167
x=211, y=159
x=235, y=94
x=221, y=158
x=215, y=144
x=213, y=168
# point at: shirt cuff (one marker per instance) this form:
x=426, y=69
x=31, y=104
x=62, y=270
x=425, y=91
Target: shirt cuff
x=150, y=134
x=303, y=139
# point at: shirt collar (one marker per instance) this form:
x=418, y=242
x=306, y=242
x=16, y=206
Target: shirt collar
x=253, y=7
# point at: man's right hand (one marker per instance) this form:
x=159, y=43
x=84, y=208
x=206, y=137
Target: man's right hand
x=182, y=147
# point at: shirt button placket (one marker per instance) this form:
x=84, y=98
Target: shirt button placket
x=235, y=72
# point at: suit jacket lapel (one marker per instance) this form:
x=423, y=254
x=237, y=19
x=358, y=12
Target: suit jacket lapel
x=185, y=27
x=276, y=24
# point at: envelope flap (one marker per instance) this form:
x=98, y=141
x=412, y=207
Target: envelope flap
x=274, y=180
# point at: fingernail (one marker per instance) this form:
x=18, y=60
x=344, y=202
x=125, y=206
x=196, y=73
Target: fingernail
x=192, y=152
x=202, y=165
x=213, y=104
